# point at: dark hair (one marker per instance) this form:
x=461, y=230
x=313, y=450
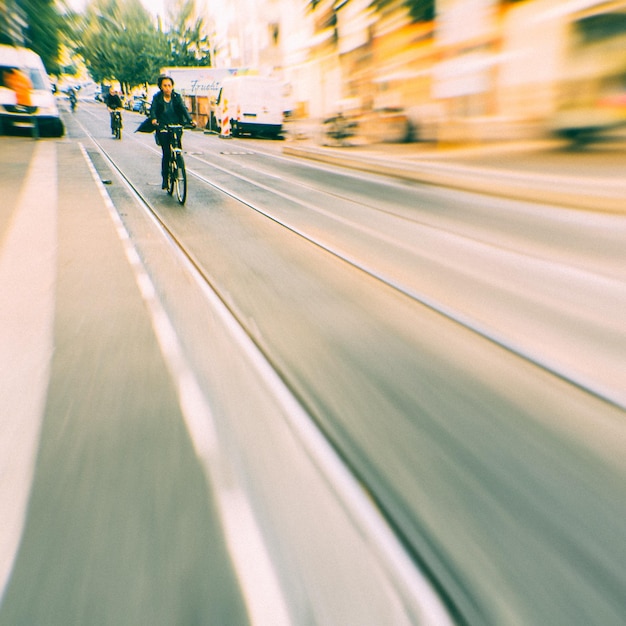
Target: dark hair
x=164, y=77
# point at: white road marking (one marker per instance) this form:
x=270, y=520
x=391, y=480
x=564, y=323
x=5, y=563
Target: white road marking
x=28, y=262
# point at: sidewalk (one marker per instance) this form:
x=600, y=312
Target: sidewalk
x=537, y=171
x=96, y=460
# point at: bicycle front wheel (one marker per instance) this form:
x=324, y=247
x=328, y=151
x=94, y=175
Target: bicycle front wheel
x=171, y=180
x=181, y=180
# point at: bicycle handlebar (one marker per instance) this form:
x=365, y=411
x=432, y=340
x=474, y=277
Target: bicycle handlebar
x=163, y=127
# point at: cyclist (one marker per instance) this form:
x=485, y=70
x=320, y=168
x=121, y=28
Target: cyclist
x=73, y=98
x=167, y=108
x=114, y=102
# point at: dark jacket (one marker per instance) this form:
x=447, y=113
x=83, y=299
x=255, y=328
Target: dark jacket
x=114, y=101
x=157, y=106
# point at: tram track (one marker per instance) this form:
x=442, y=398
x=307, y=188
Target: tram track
x=422, y=593
x=551, y=366
x=240, y=195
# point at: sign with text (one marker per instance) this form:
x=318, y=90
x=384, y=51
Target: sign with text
x=201, y=81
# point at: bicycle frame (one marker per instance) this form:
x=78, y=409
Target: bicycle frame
x=177, y=176
x=174, y=133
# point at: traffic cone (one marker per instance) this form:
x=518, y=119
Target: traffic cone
x=225, y=132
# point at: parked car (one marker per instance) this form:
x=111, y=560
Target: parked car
x=26, y=97
x=591, y=95
x=140, y=105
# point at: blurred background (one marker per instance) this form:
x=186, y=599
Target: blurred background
x=457, y=345
x=446, y=71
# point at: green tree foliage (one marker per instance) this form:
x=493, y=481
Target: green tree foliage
x=189, y=45
x=42, y=31
x=120, y=41
x=419, y=10
x=8, y=28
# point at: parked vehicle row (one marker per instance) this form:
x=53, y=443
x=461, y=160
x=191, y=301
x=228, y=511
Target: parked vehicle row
x=138, y=104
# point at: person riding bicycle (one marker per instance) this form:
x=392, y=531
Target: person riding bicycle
x=114, y=102
x=167, y=108
x=73, y=99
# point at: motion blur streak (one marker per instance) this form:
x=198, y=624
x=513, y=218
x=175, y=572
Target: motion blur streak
x=27, y=286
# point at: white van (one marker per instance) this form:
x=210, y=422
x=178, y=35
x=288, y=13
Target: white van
x=40, y=112
x=251, y=105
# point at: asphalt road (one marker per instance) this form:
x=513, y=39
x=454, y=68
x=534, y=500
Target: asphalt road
x=462, y=353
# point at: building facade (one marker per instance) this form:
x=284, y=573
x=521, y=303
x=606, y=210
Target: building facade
x=481, y=70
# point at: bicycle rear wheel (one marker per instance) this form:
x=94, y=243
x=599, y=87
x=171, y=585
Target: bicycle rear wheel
x=181, y=180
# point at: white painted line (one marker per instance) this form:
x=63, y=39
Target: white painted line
x=415, y=588
x=28, y=262
x=258, y=580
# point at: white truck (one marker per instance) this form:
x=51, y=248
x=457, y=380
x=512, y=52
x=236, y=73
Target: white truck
x=252, y=105
x=32, y=106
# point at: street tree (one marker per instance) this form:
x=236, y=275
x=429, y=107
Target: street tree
x=120, y=41
x=189, y=43
x=42, y=28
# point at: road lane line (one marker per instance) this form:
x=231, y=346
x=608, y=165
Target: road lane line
x=259, y=582
x=28, y=261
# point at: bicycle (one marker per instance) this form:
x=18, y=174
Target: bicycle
x=177, y=174
x=117, y=124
